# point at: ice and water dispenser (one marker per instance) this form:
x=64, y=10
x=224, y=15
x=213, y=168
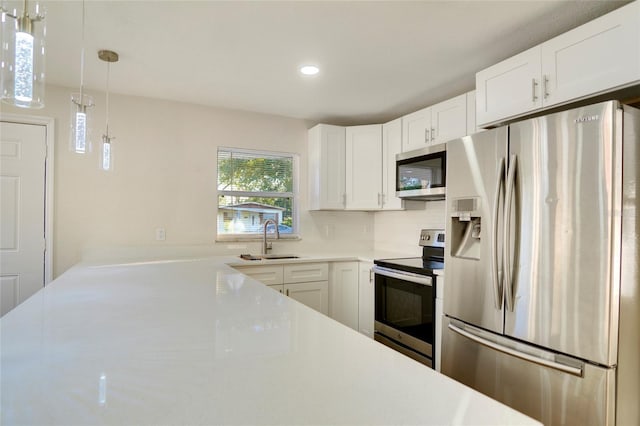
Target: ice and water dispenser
x=465, y=232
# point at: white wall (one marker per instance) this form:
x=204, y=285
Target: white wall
x=165, y=176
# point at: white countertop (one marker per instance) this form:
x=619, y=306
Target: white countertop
x=197, y=342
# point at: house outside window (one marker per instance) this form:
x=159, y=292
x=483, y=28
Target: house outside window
x=254, y=186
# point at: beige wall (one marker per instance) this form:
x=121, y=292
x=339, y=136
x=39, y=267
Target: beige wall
x=165, y=174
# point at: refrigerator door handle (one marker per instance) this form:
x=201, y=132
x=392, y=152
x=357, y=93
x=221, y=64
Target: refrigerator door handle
x=576, y=371
x=495, y=271
x=511, y=179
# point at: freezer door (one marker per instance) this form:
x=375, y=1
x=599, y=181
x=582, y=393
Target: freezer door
x=475, y=188
x=560, y=280
x=551, y=388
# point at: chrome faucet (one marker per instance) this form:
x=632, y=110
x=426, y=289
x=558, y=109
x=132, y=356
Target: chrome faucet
x=265, y=245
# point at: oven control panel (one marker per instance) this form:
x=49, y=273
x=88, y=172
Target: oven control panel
x=431, y=238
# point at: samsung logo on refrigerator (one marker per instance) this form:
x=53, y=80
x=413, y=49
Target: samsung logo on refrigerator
x=586, y=118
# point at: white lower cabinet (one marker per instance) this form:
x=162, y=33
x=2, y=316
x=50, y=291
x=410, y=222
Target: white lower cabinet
x=314, y=294
x=366, y=299
x=305, y=282
x=343, y=293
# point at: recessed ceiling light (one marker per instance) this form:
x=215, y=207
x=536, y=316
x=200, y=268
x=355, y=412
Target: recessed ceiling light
x=309, y=70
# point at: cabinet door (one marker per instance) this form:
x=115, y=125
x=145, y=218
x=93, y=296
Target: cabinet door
x=343, y=293
x=416, y=129
x=306, y=272
x=509, y=88
x=364, y=167
x=595, y=57
x=268, y=275
x=313, y=294
x=449, y=120
x=366, y=299
x=278, y=287
x=326, y=167
x=391, y=145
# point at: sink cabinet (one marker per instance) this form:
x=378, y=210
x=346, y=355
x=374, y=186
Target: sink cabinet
x=305, y=282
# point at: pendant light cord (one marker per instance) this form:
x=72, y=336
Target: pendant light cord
x=108, y=72
x=82, y=61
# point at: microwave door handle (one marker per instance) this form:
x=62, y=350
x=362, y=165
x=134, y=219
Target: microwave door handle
x=511, y=178
x=496, y=272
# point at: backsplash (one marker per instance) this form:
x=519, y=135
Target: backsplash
x=399, y=231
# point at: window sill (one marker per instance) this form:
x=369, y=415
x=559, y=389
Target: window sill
x=254, y=238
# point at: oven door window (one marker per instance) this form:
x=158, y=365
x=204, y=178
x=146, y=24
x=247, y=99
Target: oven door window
x=405, y=306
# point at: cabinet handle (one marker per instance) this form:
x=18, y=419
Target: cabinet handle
x=426, y=135
x=433, y=134
x=287, y=292
x=545, y=86
x=534, y=84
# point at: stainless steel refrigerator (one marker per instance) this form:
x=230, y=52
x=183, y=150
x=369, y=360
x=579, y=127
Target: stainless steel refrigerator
x=541, y=287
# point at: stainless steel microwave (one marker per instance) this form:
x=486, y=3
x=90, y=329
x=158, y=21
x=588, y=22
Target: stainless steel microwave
x=422, y=174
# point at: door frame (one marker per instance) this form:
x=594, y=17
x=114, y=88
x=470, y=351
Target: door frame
x=49, y=124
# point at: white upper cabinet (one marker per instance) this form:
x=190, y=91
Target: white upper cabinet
x=471, y=113
x=364, y=167
x=391, y=145
x=326, y=167
x=599, y=56
x=416, y=130
x=449, y=119
x=509, y=88
x=435, y=124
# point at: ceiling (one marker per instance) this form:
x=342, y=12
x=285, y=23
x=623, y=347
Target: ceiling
x=379, y=60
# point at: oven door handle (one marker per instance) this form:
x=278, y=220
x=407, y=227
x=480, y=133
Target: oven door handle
x=404, y=276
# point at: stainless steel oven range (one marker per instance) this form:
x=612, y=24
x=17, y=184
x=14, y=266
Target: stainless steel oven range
x=405, y=294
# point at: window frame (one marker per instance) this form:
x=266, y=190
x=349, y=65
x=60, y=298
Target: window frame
x=294, y=195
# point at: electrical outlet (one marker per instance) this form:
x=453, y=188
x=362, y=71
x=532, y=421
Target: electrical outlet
x=160, y=234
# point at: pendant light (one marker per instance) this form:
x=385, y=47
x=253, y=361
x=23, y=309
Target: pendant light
x=80, y=102
x=22, y=64
x=106, y=153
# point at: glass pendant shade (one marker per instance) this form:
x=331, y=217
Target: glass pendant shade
x=106, y=154
x=22, y=74
x=80, y=141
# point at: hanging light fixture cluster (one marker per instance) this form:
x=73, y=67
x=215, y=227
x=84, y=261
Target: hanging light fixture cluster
x=23, y=53
x=80, y=133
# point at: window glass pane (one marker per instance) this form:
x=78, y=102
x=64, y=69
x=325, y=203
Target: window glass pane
x=242, y=171
x=245, y=215
x=254, y=186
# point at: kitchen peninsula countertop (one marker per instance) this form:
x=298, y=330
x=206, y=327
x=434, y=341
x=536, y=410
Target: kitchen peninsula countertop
x=197, y=342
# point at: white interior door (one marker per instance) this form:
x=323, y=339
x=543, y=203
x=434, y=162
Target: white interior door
x=23, y=150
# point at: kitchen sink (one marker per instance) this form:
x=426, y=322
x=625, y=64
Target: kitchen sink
x=279, y=256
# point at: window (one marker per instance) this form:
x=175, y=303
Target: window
x=254, y=186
